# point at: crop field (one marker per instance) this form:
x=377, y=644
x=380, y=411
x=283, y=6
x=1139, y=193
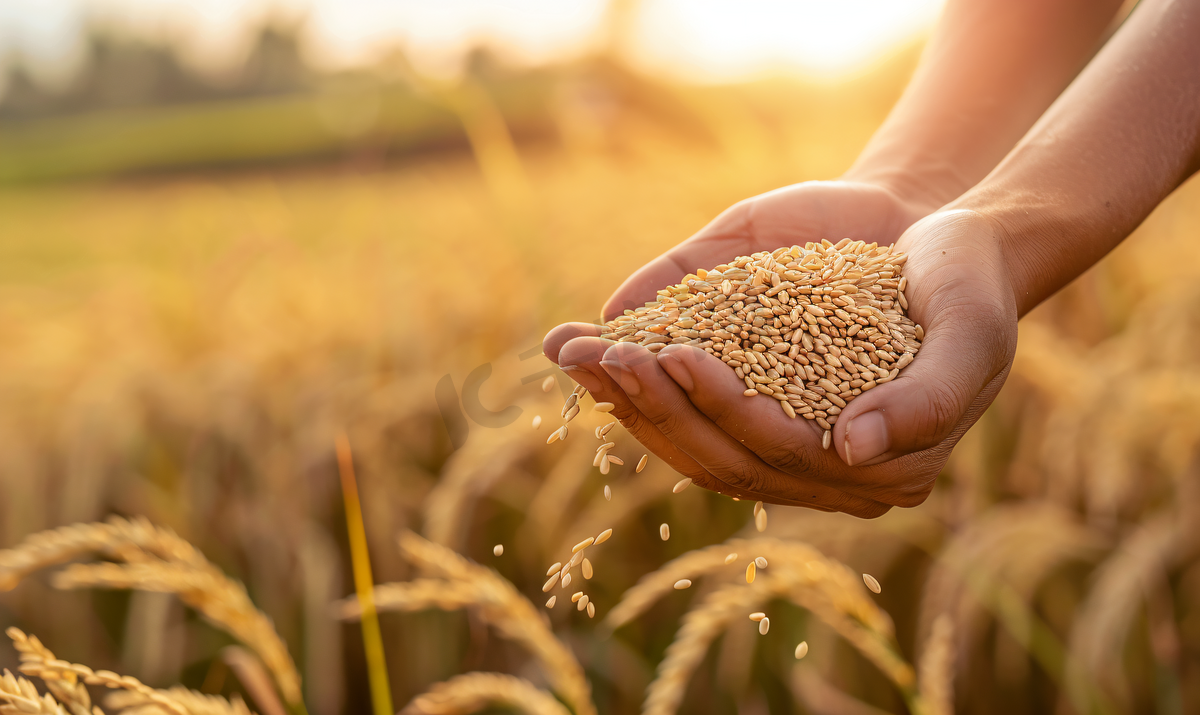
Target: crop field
x=188, y=347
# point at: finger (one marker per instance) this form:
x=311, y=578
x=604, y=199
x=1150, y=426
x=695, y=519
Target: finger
x=579, y=358
x=970, y=337
x=562, y=334
x=792, y=445
x=661, y=400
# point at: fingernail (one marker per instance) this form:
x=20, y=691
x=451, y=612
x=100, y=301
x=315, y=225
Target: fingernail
x=582, y=376
x=674, y=367
x=866, y=437
x=624, y=376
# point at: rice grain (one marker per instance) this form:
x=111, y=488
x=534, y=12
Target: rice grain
x=750, y=573
x=641, y=464
x=664, y=532
x=682, y=584
x=591, y=609
x=603, y=536
x=872, y=583
x=763, y=626
x=757, y=616
x=603, y=407
x=681, y=485
x=731, y=558
x=550, y=603
x=498, y=549
x=583, y=544
x=760, y=521
x=537, y=421
x=548, y=384
x=801, y=650
x=607, y=493
x=586, y=567
x=760, y=562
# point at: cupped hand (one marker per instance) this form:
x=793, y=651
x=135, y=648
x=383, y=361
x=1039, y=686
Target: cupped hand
x=891, y=442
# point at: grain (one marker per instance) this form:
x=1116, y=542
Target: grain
x=758, y=506
x=731, y=558
x=476, y=692
x=763, y=626
x=550, y=582
x=548, y=384
x=681, y=485
x=822, y=316
x=583, y=603
x=664, y=532
x=757, y=616
x=587, y=569
x=682, y=584
x=583, y=544
x=537, y=421
x=615, y=460
x=550, y=603
x=750, y=573
x=760, y=521
x=872, y=583
x=557, y=565
x=576, y=596
x=801, y=650
x=591, y=609
x=554, y=436
x=603, y=536
x=603, y=407
x=566, y=579
x=604, y=468
x=826, y=437
x=498, y=549
x=607, y=493
x=641, y=464
x=760, y=562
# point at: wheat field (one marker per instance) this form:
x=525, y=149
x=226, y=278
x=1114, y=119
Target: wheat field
x=182, y=350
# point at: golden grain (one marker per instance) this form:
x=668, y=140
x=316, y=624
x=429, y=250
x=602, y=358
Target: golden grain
x=474, y=692
x=763, y=626
x=682, y=584
x=750, y=573
x=582, y=602
x=872, y=583
x=591, y=609
x=681, y=485
x=537, y=421
x=587, y=569
x=583, y=544
x=757, y=616
x=498, y=549
x=615, y=460
x=605, y=429
x=550, y=602
x=758, y=506
x=566, y=579
x=760, y=562
x=607, y=493
x=603, y=536
x=641, y=464
x=576, y=596
x=731, y=558
x=557, y=565
x=801, y=650
x=664, y=532
x=826, y=436
x=603, y=407
x=548, y=384
x=760, y=521
x=551, y=581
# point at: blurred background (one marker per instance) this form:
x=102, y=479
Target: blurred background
x=230, y=229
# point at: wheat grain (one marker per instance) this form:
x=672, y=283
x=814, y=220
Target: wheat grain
x=587, y=569
x=664, y=532
x=750, y=573
x=554, y=567
x=763, y=626
x=550, y=601
x=583, y=544
x=603, y=407
x=582, y=603
x=591, y=610
x=760, y=521
x=607, y=493
x=823, y=319
x=757, y=616
x=826, y=436
x=473, y=692
x=22, y=697
x=548, y=384
x=537, y=421
x=69, y=691
x=498, y=550
x=576, y=596
x=132, y=703
x=760, y=562
x=614, y=460
x=801, y=650
x=603, y=536
x=641, y=464
x=730, y=558
x=871, y=583
x=550, y=582
x=682, y=584
x=681, y=485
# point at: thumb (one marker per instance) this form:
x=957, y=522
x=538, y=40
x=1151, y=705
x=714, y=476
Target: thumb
x=959, y=295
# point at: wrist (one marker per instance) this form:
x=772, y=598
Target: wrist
x=921, y=189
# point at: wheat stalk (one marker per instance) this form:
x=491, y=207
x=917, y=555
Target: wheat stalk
x=69, y=691
x=471, y=692
x=496, y=601
x=221, y=600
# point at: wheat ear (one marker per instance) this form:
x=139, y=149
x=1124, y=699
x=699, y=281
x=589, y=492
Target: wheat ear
x=495, y=600
x=221, y=600
x=472, y=692
x=72, y=694
x=20, y=696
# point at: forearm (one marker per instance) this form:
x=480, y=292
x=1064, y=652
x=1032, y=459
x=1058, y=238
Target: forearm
x=990, y=70
x=1122, y=137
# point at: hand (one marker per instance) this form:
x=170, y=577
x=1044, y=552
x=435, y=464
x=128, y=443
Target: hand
x=797, y=214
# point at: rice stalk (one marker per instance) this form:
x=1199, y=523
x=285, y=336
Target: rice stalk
x=69, y=691
x=472, y=692
x=936, y=669
x=496, y=601
x=20, y=696
x=156, y=560
x=377, y=674
x=131, y=703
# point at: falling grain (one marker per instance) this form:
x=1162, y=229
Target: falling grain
x=682, y=584
x=603, y=407
x=757, y=616
x=826, y=438
x=566, y=580
x=551, y=581
x=760, y=562
x=605, y=429
x=731, y=558
x=587, y=569
x=550, y=603
x=750, y=573
x=498, y=549
x=604, y=535
x=801, y=650
x=615, y=460
x=557, y=565
x=758, y=506
x=763, y=626
x=607, y=493
x=642, y=464
x=664, y=532
x=583, y=603
x=576, y=596
x=583, y=544
x=760, y=521
x=548, y=384
x=681, y=485
x=537, y=421
x=872, y=583
x=591, y=609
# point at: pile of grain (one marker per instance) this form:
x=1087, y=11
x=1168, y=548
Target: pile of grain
x=812, y=327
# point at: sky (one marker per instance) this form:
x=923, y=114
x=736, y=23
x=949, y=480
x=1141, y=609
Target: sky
x=701, y=40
